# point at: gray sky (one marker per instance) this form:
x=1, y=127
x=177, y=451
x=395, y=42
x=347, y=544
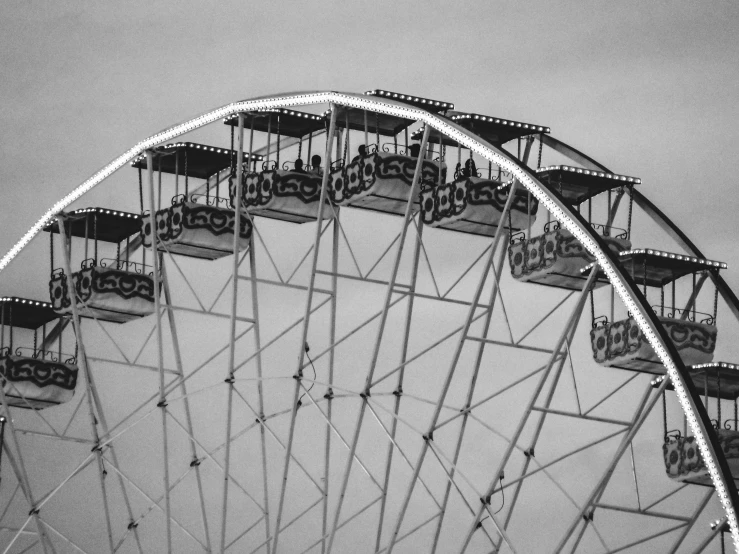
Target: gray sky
x=648, y=89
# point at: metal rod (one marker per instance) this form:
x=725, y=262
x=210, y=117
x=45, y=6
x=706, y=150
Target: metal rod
x=693, y=518
x=471, y=389
x=413, y=193
x=188, y=414
x=260, y=387
x=331, y=361
x=20, y=470
x=398, y=392
x=160, y=353
x=567, y=331
x=565, y=338
x=452, y=367
x=640, y=415
x=306, y=322
x=232, y=327
x=82, y=360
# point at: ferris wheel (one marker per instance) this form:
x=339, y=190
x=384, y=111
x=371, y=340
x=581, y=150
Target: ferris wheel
x=434, y=331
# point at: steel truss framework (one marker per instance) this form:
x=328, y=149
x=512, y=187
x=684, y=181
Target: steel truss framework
x=351, y=433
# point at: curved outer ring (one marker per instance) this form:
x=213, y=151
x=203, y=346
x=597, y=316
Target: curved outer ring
x=572, y=221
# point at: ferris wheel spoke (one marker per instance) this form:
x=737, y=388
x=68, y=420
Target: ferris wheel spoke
x=643, y=410
x=156, y=503
x=428, y=437
x=354, y=455
x=263, y=425
x=567, y=330
x=260, y=385
x=497, y=270
x=451, y=473
x=188, y=413
x=398, y=391
x=407, y=460
x=88, y=380
x=162, y=404
x=306, y=321
x=407, y=221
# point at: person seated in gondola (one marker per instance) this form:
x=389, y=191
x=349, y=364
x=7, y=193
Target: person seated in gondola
x=362, y=152
x=470, y=169
x=315, y=163
x=299, y=166
x=414, y=150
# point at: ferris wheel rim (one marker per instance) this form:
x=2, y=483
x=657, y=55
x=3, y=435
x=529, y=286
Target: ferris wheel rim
x=646, y=319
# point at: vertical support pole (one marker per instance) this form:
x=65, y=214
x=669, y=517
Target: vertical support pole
x=329, y=396
x=498, y=269
x=398, y=392
x=429, y=435
x=86, y=370
x=188, y=415
x=232, y=327
x=162, y=404
x=260, y=386
x=413, y=193
x=529, y=452
x=556, y=352
x=306, y=321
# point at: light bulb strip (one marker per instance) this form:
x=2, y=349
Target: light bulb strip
x=499, y=121
x=559, y=211
x=602, y=174
x=410, y=98
x=25, y=301
x=715, y=365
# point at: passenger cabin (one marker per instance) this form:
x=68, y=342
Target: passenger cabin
x=113, y=288
x=380, y=176
x=682, y=457
x=622, y=344
x=289, y=191
x=473, y=201
x=556, y=257
x=199, y=223
x=34, y=377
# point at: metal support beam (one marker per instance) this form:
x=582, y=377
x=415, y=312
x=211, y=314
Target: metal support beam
x=407, y=219
x=188, y=415
x=162, y=404
x=306, y=323
x=260, y=386
x=639, y=417
x=232, y=328
x=498, y=269
x=329, y=396
x=452, y=367
x=399, y=384
x=567, y=331
x=82, y=361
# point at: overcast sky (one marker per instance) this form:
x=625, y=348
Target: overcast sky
x=647, y=88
